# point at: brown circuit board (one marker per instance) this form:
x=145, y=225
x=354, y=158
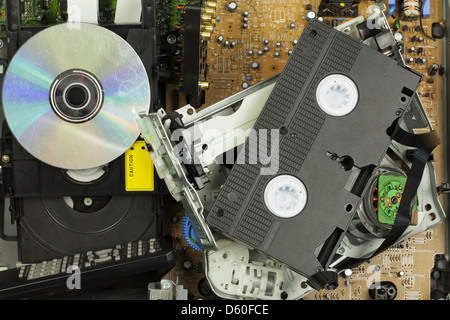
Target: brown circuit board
x=272, y=27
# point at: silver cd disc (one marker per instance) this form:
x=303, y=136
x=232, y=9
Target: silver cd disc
x=72, y=93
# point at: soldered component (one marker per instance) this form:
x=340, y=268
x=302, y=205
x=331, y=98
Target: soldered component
x=337, y=8
x=389, y=197
x=433, y=69
x=203, y=85
x=40, y=17
x=211, y=4
x=396, y=24
x=398, y=36
x=232, y=6
x=424, y=60
x=310, y=15
x=437, y=30
x=409, y=10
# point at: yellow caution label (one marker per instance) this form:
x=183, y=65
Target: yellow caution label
x=139, y=172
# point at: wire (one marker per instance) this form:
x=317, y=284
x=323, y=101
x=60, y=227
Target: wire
x=420, y=21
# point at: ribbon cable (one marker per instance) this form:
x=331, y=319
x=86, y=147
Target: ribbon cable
x=425, y=144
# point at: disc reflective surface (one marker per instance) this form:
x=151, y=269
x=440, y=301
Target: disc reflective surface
x=71, y=96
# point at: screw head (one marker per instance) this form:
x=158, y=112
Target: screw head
x=166, y=286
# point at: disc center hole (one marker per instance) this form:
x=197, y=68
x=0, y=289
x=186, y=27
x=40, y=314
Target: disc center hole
x=76, y=96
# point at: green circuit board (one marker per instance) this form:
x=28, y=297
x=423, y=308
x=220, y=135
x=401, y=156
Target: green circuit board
x=50, y=12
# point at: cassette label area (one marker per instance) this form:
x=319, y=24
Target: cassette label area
x=331, y=106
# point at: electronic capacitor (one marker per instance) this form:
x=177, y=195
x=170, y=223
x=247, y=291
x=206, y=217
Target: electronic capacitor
x=433, y=69
x=310, y=15
x=255, y=65
x=232, y=6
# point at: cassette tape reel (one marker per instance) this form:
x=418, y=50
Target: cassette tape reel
x=326, y=124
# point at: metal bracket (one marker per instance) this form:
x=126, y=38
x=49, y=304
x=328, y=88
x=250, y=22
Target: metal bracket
x=170, y=169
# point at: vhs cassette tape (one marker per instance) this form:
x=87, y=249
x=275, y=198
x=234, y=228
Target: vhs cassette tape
x=319, y=138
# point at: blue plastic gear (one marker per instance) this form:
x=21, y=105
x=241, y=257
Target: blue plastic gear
x=189, y=235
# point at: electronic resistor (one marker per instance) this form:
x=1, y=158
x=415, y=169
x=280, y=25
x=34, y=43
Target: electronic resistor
x=386, y=263
x=407, y=260
x=394, y=257
x=418, y=240
x=359, y=269
x=44, y=4
x=408, y=282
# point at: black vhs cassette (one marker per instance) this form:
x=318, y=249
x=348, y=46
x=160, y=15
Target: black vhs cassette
x=327, y=118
